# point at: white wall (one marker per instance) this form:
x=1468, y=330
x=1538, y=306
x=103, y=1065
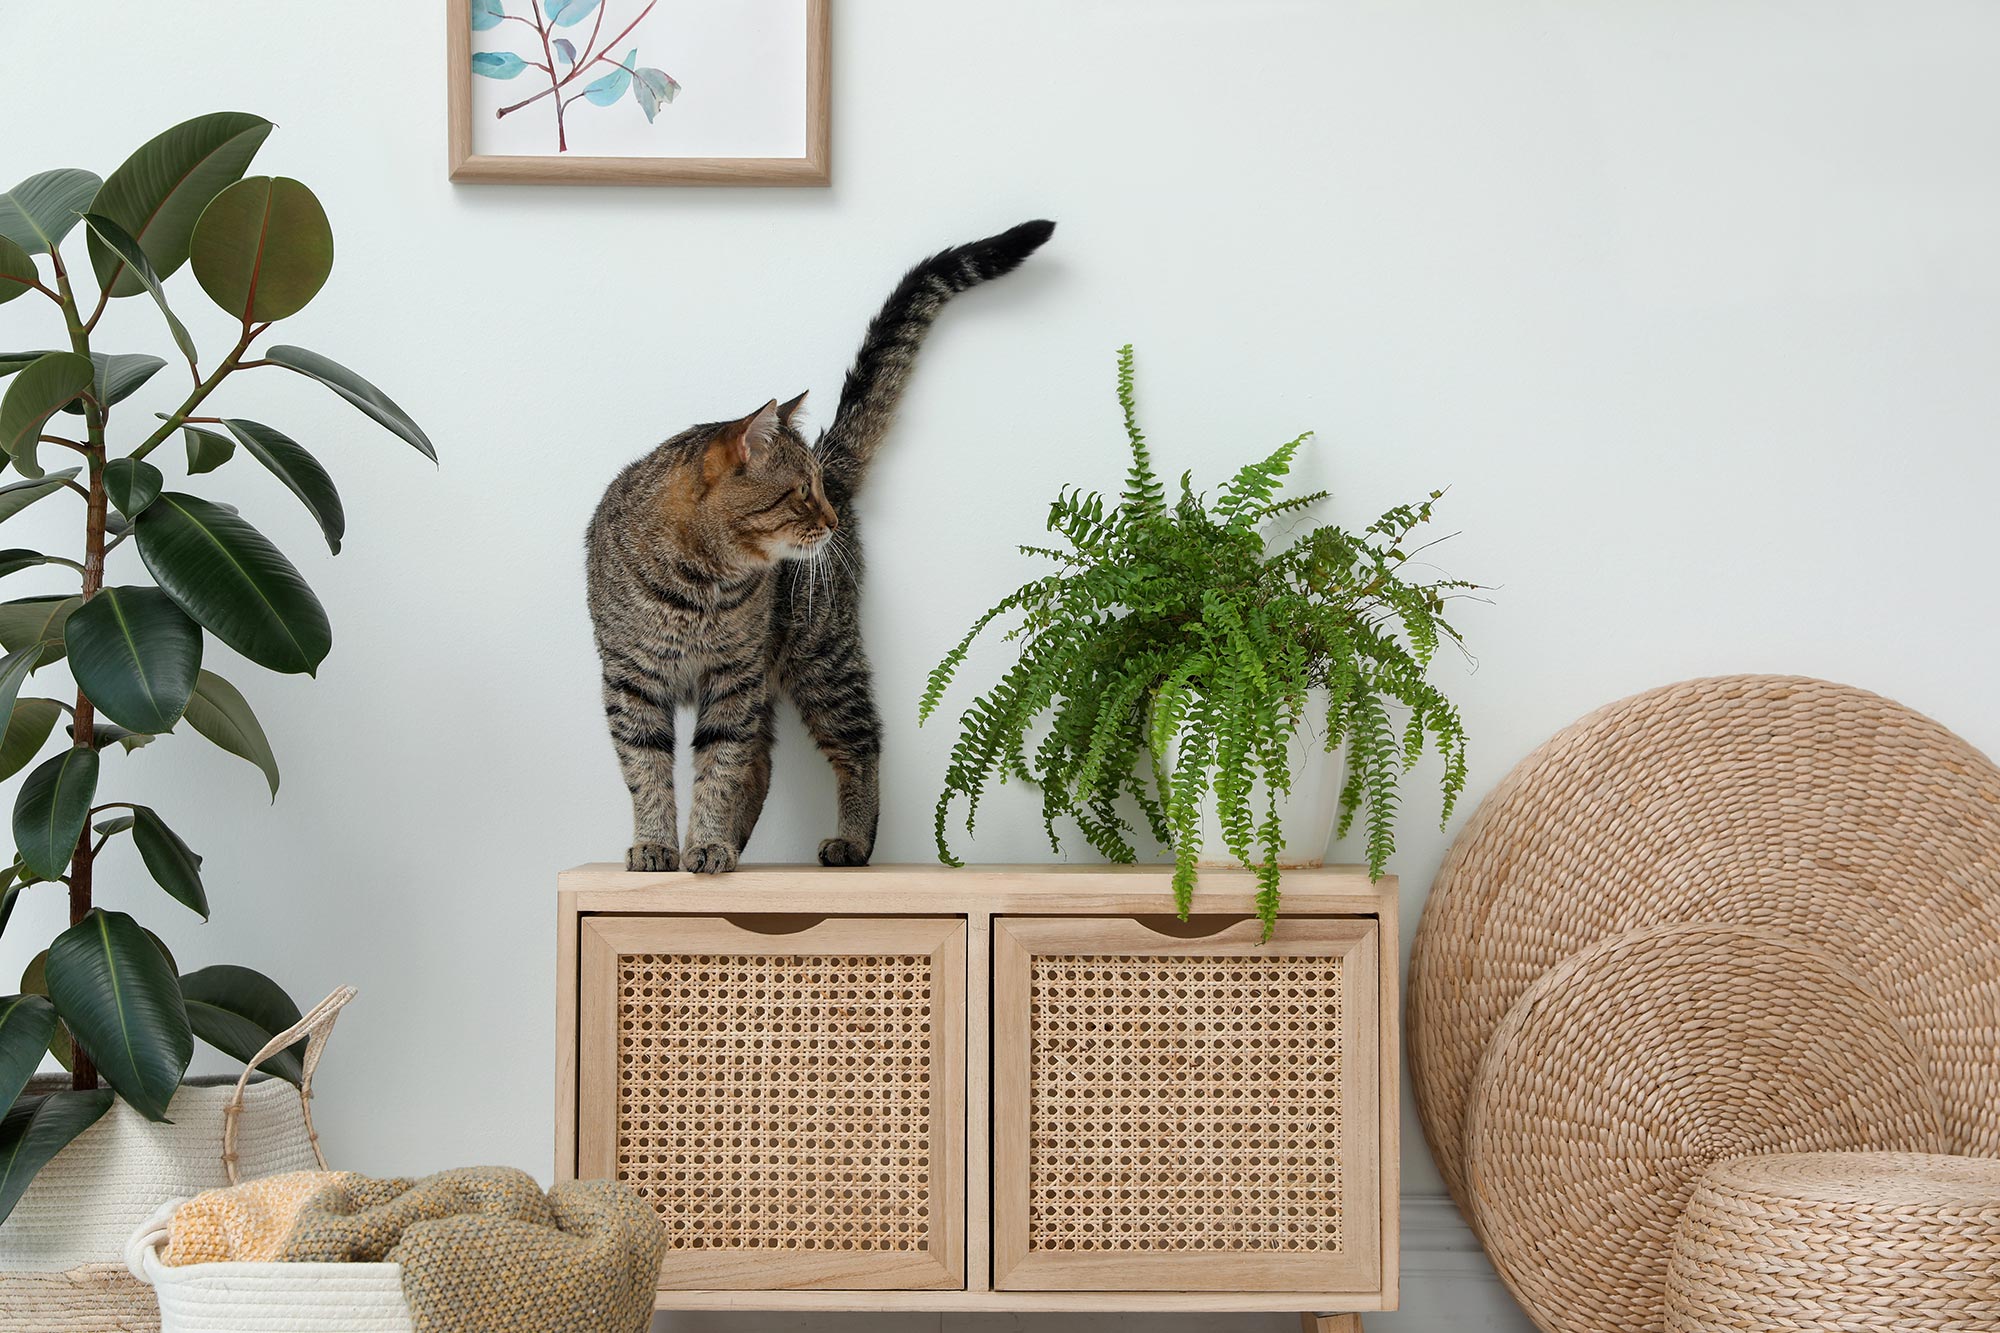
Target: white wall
x=1692, y=304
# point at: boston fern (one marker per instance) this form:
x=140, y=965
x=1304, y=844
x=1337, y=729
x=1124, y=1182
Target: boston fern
x=1173, y=650
x=105, y=996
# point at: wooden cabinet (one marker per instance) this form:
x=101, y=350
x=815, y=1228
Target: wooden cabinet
x=997, y=1088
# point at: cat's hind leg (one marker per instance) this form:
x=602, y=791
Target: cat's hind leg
x=836, y=698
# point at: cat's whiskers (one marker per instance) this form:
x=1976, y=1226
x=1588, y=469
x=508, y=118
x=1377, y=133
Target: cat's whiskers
x=838, y=556
x=823, y=558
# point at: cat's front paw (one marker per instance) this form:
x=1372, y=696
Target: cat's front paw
x=710, y=858
x=843, y=852
x=652, y=856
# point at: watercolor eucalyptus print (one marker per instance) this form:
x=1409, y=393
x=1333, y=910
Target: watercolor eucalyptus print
x=577, y=63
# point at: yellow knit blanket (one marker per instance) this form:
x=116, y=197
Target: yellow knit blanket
x=483, y=1249
x=249, y=1222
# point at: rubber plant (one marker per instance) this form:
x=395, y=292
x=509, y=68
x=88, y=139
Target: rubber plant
x=1173, y=652
x=106, y=996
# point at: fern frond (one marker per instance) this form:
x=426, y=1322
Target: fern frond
x=1251, y=489
x=1145, y=498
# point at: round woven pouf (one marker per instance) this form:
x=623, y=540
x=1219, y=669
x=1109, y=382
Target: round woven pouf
x=1878, y=1241
x=1819, y=809
x=1627, y=1071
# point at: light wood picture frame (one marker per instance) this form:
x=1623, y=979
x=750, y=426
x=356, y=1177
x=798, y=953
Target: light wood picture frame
x=561, y=41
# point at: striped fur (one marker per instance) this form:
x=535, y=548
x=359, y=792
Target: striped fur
x=724, y=567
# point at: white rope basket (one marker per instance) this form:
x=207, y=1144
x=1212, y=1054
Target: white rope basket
x=266, y=1298
x=269, y=1297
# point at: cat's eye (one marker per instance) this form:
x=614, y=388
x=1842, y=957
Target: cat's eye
x=805, y=489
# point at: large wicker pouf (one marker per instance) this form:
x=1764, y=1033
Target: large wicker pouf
x=1630, y=1069
x=1860, y=1241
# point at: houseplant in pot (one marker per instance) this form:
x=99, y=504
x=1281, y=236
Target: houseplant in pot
x=1181, y=667
x=156, y=573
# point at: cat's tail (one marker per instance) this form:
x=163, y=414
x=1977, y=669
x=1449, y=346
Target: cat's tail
x=889, y=349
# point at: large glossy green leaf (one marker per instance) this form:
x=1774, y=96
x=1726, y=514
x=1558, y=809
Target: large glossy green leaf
x=119, y=375
x=116, y=990
x=173, y=865
x=207, y=450
x=14, y=669
x=36, y=1129
x=15, y=559
x=35, y=395
x=219, y=711
x=38, y=213
x=299, y=470
x=18, y=274
x=135, y=653
x=51, y=809
x=229, y=577
x=238, y=1011
x=37, y=620
x=132, y=484
x=26, y=1024
x=18, y=495
x=35, y=981
x=161, y=189
x=263, y=248
x=354, y=389
x=27, y=731
x=122, y=243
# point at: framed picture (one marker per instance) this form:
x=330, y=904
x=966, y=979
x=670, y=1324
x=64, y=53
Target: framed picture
x=636, y=92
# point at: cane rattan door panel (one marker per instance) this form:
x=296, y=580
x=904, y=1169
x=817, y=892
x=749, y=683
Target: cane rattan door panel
x=1185, y=1114
x=792, y=1103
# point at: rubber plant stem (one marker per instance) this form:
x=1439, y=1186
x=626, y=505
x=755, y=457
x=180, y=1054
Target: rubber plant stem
x=83, y=1072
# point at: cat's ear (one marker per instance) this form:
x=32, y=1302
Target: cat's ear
x=786, y=411
x=740, y=441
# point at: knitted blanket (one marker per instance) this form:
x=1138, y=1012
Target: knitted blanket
x=484, y=1249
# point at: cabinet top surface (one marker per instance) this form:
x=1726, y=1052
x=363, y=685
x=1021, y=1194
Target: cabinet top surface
x=608, y=887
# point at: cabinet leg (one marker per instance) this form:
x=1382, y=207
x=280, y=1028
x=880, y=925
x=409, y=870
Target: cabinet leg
x=1329, y=1323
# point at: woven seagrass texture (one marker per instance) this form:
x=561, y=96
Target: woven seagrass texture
x=1780, y=801
x=1185, y=1103
x=776, y=1101
x=1626, y=1071
x=101, y=1298
x=1893, y=1242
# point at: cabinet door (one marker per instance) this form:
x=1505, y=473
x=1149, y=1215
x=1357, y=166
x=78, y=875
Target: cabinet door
x=1185, y=1114
x=790, y=1100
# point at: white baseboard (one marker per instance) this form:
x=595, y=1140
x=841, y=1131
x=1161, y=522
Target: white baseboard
x=1449, y=1286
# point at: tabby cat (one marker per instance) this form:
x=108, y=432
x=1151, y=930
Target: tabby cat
x=724, y=567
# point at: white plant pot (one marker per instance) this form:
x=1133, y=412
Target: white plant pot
x=62, y=1249
x=1306, y=814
